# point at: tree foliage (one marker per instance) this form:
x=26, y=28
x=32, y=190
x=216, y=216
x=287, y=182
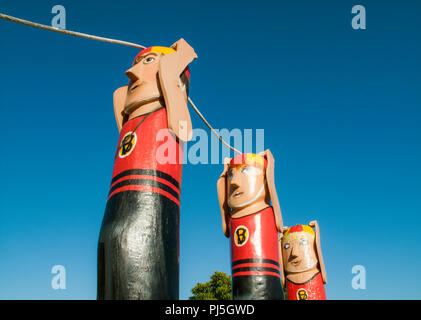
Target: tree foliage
x=218, y=288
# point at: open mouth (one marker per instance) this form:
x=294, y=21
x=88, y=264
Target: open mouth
x=296, y=263
x=134, y=87
x=237, y=194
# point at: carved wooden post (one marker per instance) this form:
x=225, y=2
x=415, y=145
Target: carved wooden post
x=245, y=190
x=303, y=262
x=138, y=249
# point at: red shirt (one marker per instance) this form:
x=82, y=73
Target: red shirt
x=150, y=159
x=254, y=244
x=313, y=289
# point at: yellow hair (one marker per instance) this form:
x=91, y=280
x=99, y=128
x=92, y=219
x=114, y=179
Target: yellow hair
x=293, y=232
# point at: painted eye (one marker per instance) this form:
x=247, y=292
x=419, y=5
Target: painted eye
x=149, y=60
x=286, y=246
x=245, y=170
x=303, y=242
x=230, y=175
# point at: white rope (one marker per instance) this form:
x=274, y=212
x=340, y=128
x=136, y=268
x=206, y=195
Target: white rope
x=68, y=32
x=125, y=43
x=210, y=127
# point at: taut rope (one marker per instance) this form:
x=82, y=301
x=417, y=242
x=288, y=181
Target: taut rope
x=97, y=38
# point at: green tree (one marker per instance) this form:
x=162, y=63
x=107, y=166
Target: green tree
x=218, y=288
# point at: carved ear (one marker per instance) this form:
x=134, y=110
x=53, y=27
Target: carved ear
x=281, y=260
x=119, y=101
x=221, y=187
x=270, y=181
x=174, y=45
x=170, y=68
x=315, y=225
x=281, y=249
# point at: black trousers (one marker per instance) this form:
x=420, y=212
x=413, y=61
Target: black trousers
x=257, y=287
x=138, y=249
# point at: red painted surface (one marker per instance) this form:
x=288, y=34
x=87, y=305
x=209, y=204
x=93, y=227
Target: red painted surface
x=261, y=243
x=313, y=289
x=150, y=153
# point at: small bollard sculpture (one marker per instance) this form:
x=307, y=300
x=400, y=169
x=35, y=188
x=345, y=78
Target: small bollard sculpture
x=245, y=189
x=138, y=249
x=303, y=262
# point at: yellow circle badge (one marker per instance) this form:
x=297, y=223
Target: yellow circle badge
x=302, y=294
x=241, y=235
x=127, y=144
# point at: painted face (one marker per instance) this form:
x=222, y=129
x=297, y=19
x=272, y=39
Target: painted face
x=143, y=77
x=299, y=252
x=246, y=185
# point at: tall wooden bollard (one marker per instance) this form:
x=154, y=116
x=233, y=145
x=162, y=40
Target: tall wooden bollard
x=138, y=249
x=245, y=189
x=303, y=262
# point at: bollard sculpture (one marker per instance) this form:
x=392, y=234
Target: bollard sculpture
x=138, y=248
x=303, y=262
x=245, y=189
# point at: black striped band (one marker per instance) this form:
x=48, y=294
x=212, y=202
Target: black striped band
x=147, y=172
x=234, y=263
x=242, y=269
x=144, y=182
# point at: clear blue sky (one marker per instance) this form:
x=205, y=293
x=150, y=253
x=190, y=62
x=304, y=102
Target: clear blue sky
x=340, y=109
